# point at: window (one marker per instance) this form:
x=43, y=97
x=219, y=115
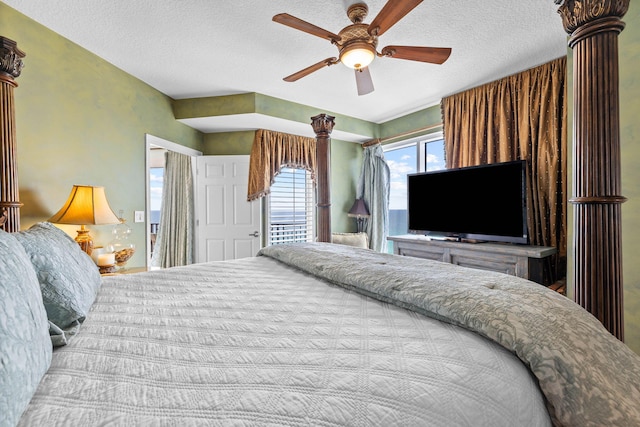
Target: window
x=156, y=180
x=433, y=155
x=404, y=158
x=291, y=208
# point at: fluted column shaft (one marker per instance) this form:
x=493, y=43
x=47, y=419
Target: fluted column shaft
x=10, y=68
x=322, y=126
x=594, y=26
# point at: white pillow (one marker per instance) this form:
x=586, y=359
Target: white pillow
x=359, y=240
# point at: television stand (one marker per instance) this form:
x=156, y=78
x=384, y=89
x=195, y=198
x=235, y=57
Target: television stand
x=526, y=261
x=449, y=239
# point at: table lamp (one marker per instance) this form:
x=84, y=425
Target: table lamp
x=360, y=212
x=86, y=205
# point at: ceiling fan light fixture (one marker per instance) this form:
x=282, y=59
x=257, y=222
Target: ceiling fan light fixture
x=358, y=43
x=357, y=55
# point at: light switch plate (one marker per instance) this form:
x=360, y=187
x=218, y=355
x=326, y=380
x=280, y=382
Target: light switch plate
x=138, y=216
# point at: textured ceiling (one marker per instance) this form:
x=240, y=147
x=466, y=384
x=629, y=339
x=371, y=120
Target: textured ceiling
x=198, y=48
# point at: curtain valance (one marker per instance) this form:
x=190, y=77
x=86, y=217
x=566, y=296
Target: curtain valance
x=271, y=151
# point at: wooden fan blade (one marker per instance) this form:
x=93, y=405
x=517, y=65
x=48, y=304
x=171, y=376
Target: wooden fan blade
x=364, y=81
x=391, y=13
x=299, y=24
x=434, y=55
x=315, y=67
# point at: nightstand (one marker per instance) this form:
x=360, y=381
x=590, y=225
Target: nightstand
x=128, y=270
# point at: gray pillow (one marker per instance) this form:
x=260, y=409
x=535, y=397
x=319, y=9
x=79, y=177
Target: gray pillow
x=69, y=279
x=25, y=347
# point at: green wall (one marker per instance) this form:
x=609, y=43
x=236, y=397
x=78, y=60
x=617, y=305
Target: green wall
x=428, y=118
x=629, y=59
x=80, y=120
x=247, y=103
x=228, y=143
x=346, y=161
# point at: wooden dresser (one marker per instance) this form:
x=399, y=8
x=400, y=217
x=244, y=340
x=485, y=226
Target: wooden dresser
x=529, y=262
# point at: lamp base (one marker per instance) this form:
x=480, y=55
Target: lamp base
x=85, y=240
x=106, y=269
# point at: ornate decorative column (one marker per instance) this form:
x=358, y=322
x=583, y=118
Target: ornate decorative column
x=10, y=68
x=594, y=26
x=322, y=126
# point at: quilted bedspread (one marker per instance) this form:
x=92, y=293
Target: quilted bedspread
x=588, y=377
x=256, y=342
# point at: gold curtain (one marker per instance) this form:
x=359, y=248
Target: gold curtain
x=520, y=117
x=271, y=151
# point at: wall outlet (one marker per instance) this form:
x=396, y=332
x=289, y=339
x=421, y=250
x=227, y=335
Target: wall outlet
x=138, y=216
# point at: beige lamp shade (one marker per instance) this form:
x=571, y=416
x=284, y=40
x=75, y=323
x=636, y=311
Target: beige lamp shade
x=86, y=205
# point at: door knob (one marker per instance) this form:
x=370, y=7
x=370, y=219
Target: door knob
x=255, y=234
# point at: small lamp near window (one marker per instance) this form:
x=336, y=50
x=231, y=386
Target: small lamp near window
x=86, y=205
x=360, y=212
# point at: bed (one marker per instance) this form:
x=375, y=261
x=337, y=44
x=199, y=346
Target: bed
x=318, y=334
x=303, y=334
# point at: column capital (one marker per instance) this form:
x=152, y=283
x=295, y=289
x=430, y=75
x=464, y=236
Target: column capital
x=10, y=58
x=577, y=13
x=322, y=124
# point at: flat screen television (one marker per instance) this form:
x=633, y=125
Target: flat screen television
x=485, y=202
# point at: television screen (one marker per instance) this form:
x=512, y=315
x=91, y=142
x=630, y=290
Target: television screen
x=485, y=202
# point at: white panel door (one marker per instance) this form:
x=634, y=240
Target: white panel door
x=228, y=227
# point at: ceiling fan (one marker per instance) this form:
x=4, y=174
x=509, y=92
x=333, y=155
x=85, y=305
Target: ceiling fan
x=357, y=43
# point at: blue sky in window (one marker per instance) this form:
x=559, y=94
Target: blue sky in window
x=156, y=175
x=402, y=162
x=435, y=155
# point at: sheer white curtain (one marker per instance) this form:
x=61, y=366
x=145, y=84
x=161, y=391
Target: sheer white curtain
x=174, y=242
x=373, y=187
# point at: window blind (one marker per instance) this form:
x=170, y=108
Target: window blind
x=291, y=207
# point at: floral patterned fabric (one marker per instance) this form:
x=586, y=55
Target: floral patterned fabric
x=588, y=377
x=25, y=348
x=69, y=279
